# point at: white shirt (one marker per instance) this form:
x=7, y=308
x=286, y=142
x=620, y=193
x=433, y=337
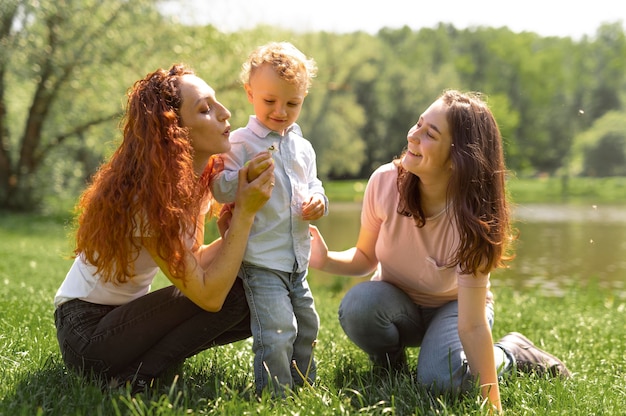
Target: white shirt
x=279, y=238
x=82, y=282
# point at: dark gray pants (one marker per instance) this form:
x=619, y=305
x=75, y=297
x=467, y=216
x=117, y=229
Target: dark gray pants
x=147, y=336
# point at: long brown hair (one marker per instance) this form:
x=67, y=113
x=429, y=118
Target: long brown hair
x=148, y=187
x=476, y=189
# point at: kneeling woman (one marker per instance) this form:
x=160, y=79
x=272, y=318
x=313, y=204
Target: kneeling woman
x=434, y=224
x=144, y=211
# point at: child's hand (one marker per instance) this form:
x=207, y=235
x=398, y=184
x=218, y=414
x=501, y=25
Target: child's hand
x=314, y=208
x=223, y=222
x=258, y=164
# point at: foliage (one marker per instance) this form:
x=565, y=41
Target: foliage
x=601, y=150
x=56, y=55
x=65, y=66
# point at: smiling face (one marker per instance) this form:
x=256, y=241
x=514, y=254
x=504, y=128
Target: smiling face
x=429, y=142
x=205, y=117
x=277, y=102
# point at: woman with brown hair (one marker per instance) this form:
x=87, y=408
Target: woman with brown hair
x=435, y=223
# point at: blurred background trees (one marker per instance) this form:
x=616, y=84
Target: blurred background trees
x=65, y=66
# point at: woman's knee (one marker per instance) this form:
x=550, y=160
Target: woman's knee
x=356, y=305
x=363, y=298
x=371, y=301
x=450, y=373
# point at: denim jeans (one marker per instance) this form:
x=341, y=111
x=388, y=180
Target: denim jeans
x=284, y=327
x=382, y=320
x=147, y=336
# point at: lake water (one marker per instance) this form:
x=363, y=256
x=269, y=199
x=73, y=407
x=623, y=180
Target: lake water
x=560, y=247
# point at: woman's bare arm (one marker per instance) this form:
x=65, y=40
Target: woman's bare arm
x=356, y=261
x=212, y=269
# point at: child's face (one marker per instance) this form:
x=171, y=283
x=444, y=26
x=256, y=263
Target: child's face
x=277, y=103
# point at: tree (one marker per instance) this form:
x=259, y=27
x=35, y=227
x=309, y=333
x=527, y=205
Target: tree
x=55, y=55
x=601, y=150
x=332, y=119
x=608, y=158
x=608, y=55
x=411, y=69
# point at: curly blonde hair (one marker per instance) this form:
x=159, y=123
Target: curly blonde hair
x=288, y=61
x=148, y=187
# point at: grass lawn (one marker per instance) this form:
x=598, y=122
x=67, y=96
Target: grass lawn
x=526, y=190
x=585, y=328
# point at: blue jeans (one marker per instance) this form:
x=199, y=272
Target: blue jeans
x=382, y=320
x=284, y=326
x=147, y=336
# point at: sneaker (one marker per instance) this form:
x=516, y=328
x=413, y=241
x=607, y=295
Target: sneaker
x=530, y=359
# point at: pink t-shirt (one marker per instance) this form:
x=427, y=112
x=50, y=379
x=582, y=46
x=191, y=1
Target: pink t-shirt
x=411, y=258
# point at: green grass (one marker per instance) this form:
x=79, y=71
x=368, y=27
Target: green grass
x=585, y=328
x=522, y=190
x=572, y=190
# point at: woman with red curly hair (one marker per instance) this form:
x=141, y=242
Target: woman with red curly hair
x=145, y=211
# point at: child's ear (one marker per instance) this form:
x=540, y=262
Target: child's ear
x=248, y=89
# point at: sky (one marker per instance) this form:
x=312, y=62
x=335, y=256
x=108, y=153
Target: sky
x=544, y=17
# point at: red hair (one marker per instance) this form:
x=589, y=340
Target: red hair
x=148, y=187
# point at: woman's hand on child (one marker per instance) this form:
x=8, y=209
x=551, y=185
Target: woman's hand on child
x=319, y=249
x=223, y=222
x=252, y=195
x=258, y=164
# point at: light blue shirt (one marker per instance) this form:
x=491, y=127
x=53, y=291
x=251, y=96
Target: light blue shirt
x=279, y=238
